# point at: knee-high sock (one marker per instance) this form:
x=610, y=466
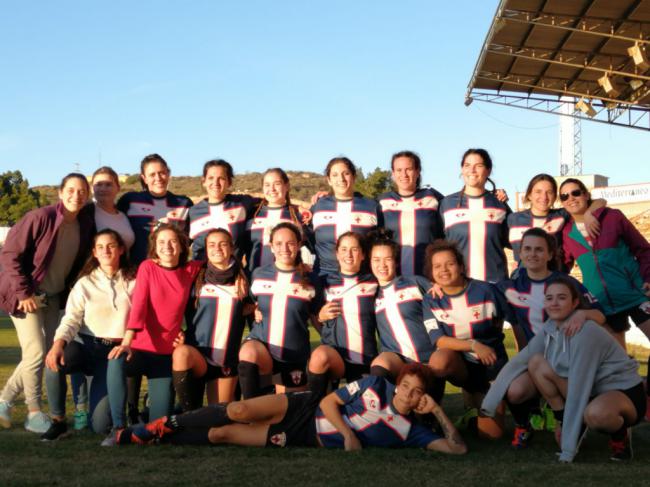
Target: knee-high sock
x=379, y=371
x=133, y=397
x=437, y=389
x=189, y=389
x=193, y=436
x=207, y=417
x=521, y=412
x=249, y=379
x=318, y=383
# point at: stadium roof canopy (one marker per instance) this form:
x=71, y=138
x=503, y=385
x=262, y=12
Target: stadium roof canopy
x=594, y=54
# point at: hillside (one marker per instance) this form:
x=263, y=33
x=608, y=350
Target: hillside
x=303, y=185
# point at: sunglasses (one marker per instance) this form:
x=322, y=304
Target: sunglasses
x=575, y=193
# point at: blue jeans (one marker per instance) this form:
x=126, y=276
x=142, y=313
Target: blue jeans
x=158, y=370
x=88, y=358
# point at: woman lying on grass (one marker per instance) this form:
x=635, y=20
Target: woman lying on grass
x=587, y=379
x=369, y=412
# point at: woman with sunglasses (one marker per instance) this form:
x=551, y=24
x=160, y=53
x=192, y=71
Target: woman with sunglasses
x=541, y=195
x=615, y=265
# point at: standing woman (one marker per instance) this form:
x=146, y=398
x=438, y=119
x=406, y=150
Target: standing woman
x=215, y=325
x=339, y=213
x=161, y=293
x=586, y=378
x=615, y=265
x=348, y=343
x=219, y=210
x=398, y=310
x=411, y=212
x=466, y=326
x=97, y=310
x=106, y=185
x=475, y=219
x=279, y=342
x=275, y=208
x=40, y=259
x=155, y=203
x=541, y=195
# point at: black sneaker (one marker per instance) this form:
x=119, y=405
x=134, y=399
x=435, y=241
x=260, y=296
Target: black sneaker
x=58, y=430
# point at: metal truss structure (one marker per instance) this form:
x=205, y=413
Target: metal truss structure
x=595, y=51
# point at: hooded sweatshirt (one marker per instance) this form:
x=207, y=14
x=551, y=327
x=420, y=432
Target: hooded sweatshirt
x=592, y=362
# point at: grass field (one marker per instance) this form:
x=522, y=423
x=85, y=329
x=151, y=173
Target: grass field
x=80, y=461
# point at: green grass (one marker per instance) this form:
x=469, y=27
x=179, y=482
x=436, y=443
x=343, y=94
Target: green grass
x=80, y=461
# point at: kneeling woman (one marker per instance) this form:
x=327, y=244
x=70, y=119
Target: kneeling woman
x=97, y=310
x=215, y=325
x=161, y=293
x=344, y=419
x=587, y=377
x=466, y=326
x=347, y=318
x=398, y=309
x=279, y=342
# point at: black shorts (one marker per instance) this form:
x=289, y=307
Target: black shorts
x=219, y=372
x=289, y=374
x=151, y=365
x=298, y=426
x=479, y=376
x=355, y=371
x=619, y=322
x=638, y=397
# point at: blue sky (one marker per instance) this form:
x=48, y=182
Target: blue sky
x=266, y=83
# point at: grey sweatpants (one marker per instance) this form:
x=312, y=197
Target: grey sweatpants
x=35, y=335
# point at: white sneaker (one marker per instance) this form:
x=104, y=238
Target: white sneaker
x=5, y=414
x=111, y=439
x=38, y=422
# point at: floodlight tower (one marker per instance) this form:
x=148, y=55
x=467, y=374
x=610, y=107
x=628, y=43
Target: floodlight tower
x=570, y=163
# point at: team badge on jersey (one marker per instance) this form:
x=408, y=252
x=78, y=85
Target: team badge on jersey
x=279, y=439
x=296, y=376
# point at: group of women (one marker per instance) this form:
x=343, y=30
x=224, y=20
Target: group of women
x=413, y=277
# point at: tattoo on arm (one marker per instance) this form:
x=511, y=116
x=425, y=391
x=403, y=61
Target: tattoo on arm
x=449, y=430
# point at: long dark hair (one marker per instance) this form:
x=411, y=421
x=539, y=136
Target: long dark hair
x=151, y=158
x=241, y=283
x=536, y=179
x=487, y=160
x=417, y=163
x=128, y=271
x=74, y=175
x=292, y=208
x=183, y=241
x=301, y=268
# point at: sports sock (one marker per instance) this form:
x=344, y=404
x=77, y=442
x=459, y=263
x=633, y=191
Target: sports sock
x=193, y=436
x=186, y=387
x=317, y=384
x=521, y=412
x=207, y=417
x=379, y=371
x=249, y=379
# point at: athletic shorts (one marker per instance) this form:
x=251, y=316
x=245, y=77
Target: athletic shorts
x=619, y=322
x=638, y=397
x=479, y=376
x=298, y=426
x=219, y=372
x=290, y=374
x=151, y=365
x=355, y=371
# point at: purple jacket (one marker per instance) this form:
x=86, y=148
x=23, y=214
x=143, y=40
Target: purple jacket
x=28, y=251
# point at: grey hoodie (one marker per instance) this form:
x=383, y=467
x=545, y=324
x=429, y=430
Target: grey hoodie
x=591, y=360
